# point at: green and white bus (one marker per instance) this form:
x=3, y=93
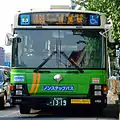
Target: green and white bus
x=59, y=59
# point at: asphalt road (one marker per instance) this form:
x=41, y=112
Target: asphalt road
x=110, y=113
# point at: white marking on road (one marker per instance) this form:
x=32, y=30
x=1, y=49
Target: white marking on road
x=11, y=114
x=80, y=119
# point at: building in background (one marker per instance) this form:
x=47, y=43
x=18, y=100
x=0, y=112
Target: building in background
x=73, y=5
x=2, y=56
x=7, y=59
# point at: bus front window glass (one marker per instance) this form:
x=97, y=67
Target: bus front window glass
x=86, y=48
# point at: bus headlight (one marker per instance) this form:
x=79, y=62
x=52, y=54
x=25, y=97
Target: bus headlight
x=18, y=92
x=19, y=86
x=97, y=93
x=97, y=87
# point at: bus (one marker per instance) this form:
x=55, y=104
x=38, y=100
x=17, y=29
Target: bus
x=59, y=59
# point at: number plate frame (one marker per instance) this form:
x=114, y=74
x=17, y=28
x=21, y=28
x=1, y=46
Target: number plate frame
x=58, y=102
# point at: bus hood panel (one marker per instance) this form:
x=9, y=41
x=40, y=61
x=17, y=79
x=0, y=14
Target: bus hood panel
x=63, y=83
x=57, y=82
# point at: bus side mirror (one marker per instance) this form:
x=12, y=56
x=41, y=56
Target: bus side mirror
x=9, y=39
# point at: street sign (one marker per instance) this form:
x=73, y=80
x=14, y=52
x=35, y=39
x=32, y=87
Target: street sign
x=7, y=64
x=118, y=52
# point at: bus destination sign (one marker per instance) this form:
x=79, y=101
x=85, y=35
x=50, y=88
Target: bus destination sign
x=59, y=19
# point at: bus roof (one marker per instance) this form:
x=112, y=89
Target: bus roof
x=57, y=10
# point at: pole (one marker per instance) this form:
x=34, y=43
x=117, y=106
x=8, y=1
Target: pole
x=109, y=66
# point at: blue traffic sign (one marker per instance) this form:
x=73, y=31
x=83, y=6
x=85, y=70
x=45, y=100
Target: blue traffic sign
x=7, y=64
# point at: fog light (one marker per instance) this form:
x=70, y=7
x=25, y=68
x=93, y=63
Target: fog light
x=11, y=87
x=97, y=87
x=18, y=92
x=19, y=87
x=97, y=93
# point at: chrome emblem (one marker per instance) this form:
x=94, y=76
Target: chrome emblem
x=58, y=78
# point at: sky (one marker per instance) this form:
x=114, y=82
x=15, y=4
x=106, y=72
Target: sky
x=9, y=7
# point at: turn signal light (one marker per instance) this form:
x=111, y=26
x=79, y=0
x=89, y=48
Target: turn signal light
x=105, y=88
x=11, y=87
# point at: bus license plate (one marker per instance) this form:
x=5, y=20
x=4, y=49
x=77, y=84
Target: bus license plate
x=58, y=102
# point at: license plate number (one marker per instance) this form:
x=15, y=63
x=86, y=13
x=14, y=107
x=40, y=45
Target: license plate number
x=58, y=102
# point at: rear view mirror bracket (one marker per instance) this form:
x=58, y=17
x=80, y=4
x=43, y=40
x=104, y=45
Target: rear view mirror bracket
x=108, y=29
x=9, y=38
x=108, y=33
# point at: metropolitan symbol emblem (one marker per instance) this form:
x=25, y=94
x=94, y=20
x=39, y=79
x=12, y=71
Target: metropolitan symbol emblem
x=58, y=78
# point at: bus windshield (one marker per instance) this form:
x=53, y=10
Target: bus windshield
x=86, y=48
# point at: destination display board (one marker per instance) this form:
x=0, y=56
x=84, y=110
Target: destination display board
x=58, y=19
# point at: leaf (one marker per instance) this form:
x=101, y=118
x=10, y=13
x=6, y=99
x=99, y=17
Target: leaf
x=112, y=10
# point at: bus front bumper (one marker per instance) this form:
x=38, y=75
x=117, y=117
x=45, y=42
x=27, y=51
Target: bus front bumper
x=55, y=101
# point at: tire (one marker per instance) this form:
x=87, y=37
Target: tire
x=2, y=103
x=98, y=110
x=24, y=109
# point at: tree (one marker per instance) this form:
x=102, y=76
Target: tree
x=112, y=10
x=110, y=7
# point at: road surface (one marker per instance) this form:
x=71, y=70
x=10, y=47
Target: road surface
x=110, y=113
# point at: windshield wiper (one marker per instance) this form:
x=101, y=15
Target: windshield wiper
x=45, y=61
x=72, y=62
x=49, y=57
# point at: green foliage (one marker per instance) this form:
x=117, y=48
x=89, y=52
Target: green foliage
x=110, y=7
x=112, y=10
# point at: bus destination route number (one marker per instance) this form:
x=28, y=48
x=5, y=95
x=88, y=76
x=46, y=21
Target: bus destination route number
x=58, y=102
x=59, y=18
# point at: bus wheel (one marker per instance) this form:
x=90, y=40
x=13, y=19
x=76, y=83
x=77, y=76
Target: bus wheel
x=98, y=110
x=24, y=109
x=2, y=103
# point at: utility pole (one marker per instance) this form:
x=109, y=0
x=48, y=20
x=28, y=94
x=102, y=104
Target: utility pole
x=109, y=66
x=118, y=56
